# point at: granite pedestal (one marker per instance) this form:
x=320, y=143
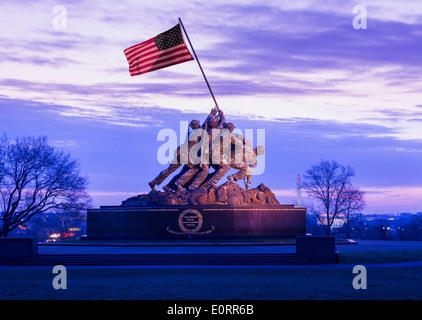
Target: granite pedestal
x=197, y=222
x=12, y=249
x=317, y=248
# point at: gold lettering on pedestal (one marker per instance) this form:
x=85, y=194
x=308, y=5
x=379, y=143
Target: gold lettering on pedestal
x=190, y=222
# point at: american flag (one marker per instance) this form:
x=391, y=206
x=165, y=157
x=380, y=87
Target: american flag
x=164, y=50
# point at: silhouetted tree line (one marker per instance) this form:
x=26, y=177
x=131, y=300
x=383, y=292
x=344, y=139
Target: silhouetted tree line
x=361, y=227
x=53, y=226
x=334, y=205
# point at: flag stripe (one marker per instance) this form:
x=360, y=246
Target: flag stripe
x=160, y=66
x=164, y=50
x=147, y=52
x=157, y=55
x=154, y=52
x=162, y=61
x=159, y=59
x=141, y=51
x=138, y=46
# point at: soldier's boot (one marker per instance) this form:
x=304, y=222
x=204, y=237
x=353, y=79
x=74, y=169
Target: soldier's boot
x=192, y=188
x=152, y=185
x=247, y=183
x=207, y=184
x=231, y=179
x=179, y=186
x=213, y=184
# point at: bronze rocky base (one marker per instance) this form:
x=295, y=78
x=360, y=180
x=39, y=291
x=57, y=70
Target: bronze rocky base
x=226, y=194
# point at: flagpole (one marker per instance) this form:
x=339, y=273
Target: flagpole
x=199, y=64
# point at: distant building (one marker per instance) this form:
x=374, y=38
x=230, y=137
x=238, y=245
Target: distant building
x=299, y=192
x=372, y=217
x=405, y=214
x=337, y=222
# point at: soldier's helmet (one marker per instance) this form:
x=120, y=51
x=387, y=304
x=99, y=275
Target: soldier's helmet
x=212, y=122
x=194, y=124
x=230, y=126
x=260, y=150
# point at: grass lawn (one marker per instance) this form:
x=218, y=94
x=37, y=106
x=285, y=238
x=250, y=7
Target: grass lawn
x=211, y=283
x=224, y=283
x=384, y=256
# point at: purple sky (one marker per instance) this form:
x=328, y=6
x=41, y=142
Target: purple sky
x=298, y=69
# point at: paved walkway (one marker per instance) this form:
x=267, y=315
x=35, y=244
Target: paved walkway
x=362, y=245
x=53, y=249
x=369, y=245
x=120, y=248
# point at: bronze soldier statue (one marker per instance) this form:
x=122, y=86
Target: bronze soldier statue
x=221, y=151
x=247, y=163
x=190, y=165
x=177, y=161
x=199, y=172
x=219, y=147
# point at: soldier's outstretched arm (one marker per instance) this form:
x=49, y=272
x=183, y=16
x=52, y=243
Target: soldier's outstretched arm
x=222, y=119
x=211, y=115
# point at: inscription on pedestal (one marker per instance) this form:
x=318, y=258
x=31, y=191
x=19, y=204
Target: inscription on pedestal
x=190, y=222
x=210, y=221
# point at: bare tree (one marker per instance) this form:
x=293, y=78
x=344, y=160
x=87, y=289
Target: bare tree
x=354, y=203
x=412, y=228
x=35, y=178
x=328, y=183
x=3, y=152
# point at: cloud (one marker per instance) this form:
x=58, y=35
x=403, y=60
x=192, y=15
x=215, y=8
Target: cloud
x=399, y=198
x=315, y=40
x=123, y=157
x=56, y=62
